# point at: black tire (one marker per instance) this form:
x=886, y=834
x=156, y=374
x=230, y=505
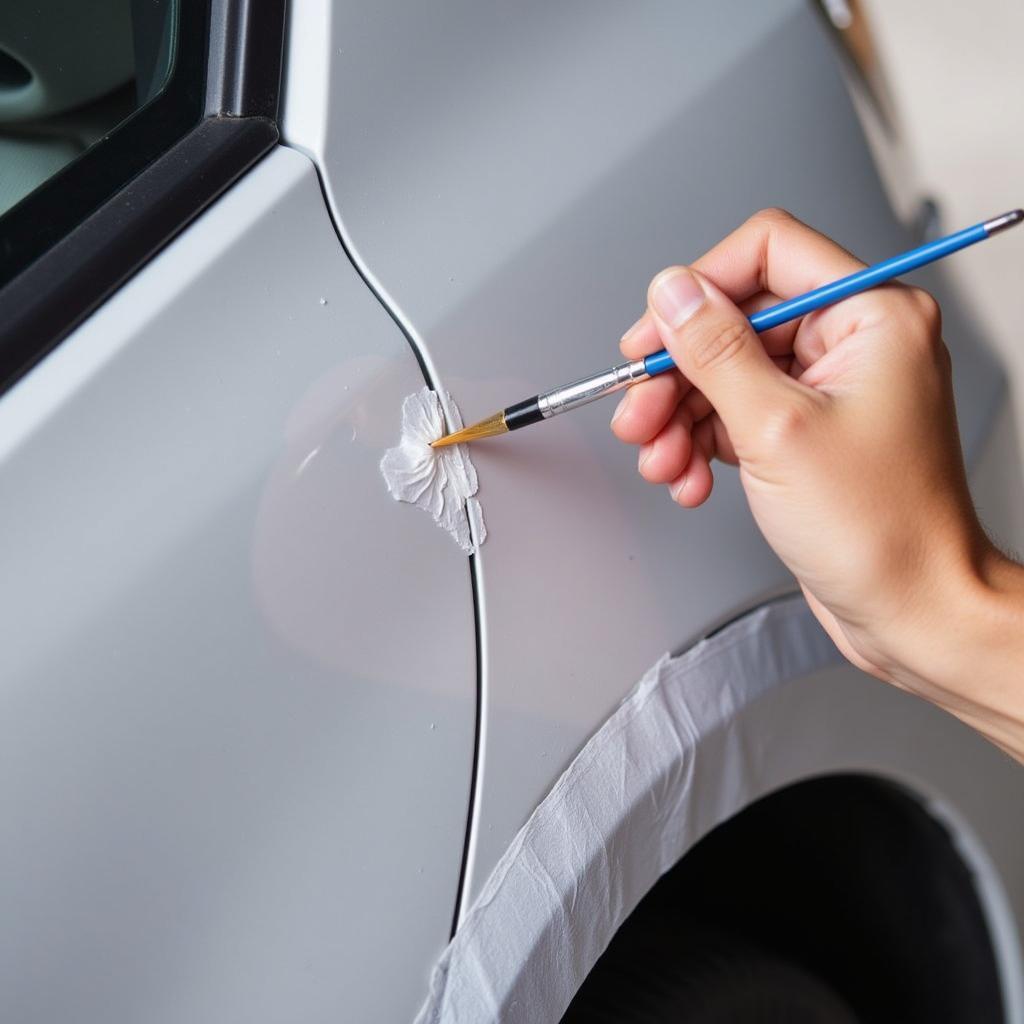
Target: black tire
x=705, y=978
x=836, y=899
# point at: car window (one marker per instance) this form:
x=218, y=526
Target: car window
x=90, y=94
x=70, y=72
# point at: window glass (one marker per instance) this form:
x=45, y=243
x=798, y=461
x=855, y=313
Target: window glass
x=70, y=72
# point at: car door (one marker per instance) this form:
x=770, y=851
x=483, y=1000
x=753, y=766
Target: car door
x=238, y=680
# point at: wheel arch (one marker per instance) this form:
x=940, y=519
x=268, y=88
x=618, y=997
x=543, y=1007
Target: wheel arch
x=762, y=704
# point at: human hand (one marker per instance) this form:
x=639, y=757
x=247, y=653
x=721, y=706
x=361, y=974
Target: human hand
x=842, y=425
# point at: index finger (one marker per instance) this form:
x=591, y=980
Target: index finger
x=770, y=253
x=774, y=252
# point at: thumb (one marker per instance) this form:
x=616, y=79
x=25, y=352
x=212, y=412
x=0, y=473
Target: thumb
x=713, y=344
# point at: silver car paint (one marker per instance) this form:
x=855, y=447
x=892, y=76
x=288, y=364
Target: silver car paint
x=511, y=176
x=238, y=680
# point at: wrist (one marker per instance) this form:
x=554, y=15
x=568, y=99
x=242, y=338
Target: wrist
x=968, y=623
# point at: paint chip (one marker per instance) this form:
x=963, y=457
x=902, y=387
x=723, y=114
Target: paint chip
x=440, y=481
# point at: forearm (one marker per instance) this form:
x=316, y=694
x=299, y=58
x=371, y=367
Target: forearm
x=967, y=655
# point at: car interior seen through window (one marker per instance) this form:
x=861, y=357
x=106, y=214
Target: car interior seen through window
x=69, y=73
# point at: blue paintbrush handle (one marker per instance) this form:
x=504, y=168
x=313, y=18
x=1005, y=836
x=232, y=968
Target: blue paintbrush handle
x=659, y=362
x=615, y=378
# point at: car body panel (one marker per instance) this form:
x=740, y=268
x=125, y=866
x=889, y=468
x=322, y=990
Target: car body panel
x=510, y=178
x=238, y=679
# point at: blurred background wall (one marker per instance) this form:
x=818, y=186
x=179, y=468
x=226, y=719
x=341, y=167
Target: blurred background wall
x=955, y=75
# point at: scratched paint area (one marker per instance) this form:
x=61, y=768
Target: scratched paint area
x=440, y=481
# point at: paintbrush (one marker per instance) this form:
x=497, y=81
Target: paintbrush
x=597, y=385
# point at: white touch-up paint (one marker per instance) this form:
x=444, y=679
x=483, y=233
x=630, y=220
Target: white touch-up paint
x=441, y=481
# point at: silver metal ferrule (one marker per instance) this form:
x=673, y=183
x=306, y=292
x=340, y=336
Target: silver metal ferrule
x=1007, y=220
x=589, y=389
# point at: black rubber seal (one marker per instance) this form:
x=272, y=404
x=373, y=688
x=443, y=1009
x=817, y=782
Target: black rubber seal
x=246, y=46
x=522, y=414
x=49, y=299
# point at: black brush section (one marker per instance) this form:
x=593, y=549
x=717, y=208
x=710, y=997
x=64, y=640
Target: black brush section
x=522, y=414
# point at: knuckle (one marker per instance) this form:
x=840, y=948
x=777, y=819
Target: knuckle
x=787, y=424
x=927, y=309
x=939, y=357
x=922, y=322
x=716, y=343
x=945, y=361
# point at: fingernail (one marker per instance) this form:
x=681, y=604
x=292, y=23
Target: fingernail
x=633, y=330
x=645, y=453
x=676, y=489
x=621, y=407
x=676, y=296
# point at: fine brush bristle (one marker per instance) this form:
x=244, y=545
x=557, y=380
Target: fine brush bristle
x=485, y=428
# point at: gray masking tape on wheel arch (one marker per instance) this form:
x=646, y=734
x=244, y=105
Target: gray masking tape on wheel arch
x=672, y=761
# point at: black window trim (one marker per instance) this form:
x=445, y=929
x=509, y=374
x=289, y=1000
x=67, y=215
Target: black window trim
x=126, y=198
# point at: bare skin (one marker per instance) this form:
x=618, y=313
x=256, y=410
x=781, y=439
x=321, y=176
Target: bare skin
x=845, y=434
